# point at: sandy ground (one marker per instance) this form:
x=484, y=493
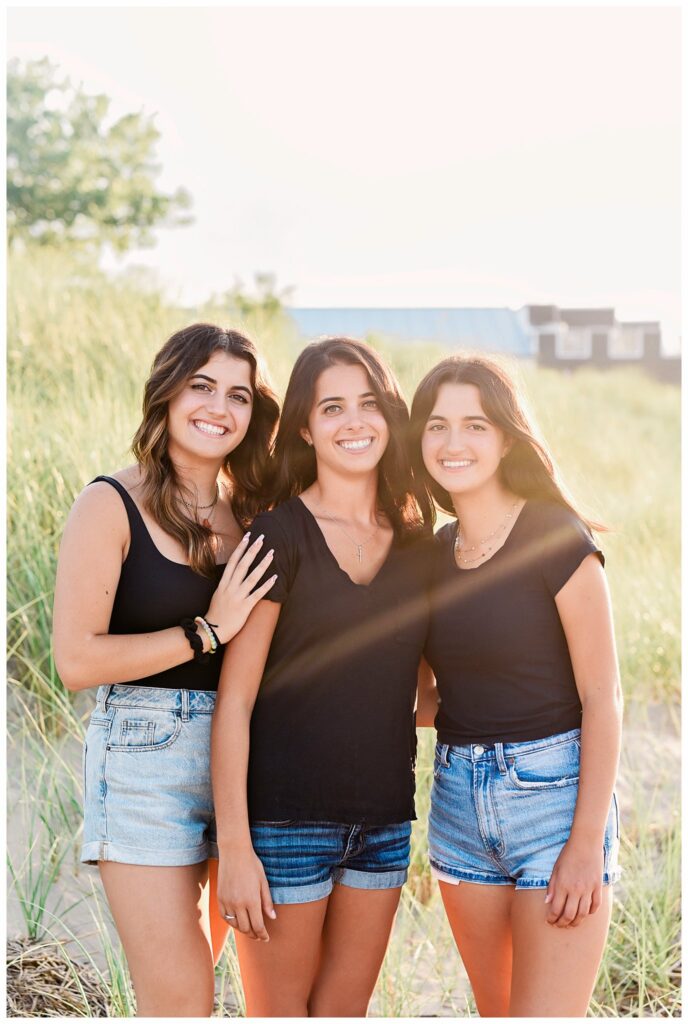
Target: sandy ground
x=424, y=957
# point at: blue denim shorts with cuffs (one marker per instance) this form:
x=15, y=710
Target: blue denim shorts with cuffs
x=304, y=859
x=500, y=813
x=147, y=791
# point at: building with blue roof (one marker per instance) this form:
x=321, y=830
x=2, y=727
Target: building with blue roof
x=488, y=330
x=563, y=339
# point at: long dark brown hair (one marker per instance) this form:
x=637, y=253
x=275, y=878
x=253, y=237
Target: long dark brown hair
x=294, y=464
x=179, y=358
x=527, y=469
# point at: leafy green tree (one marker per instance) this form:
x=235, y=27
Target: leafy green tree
x=267, y=302
x=74, y=174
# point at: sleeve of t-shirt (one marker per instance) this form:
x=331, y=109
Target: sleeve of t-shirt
x=565, y=541
x=283, y=561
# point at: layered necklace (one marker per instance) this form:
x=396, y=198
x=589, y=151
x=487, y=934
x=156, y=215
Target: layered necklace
x=352, y=540
x=194, y=509
x=485, y=546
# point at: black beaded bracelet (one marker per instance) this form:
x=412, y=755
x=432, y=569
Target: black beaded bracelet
x=191, y=633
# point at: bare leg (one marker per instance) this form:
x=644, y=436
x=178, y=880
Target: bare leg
x=219, y=929
x=555, y=968
x=355, y=936
x=480, y=920
x=278, y=975
x=161, y=916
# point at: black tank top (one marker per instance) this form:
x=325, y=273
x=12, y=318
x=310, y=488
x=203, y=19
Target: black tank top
x=154, y=593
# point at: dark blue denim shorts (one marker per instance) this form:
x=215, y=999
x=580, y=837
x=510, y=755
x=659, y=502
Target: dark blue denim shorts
x=304, y=859
x=500, y=813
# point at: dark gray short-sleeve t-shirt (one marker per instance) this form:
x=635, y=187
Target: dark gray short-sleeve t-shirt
x=333, y=732
x=495, y=639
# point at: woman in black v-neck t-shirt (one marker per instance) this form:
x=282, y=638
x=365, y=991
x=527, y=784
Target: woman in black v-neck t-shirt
x=523, y=829
x=341, y=675
x=326, y=672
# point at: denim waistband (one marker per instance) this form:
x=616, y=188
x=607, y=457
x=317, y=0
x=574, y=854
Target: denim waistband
x=490, y=751
x=156, y=697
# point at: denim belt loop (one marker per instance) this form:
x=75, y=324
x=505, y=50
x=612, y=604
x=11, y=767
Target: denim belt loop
x=102, y=699
x=501, y=762
x=444, y=755
x=185, y=705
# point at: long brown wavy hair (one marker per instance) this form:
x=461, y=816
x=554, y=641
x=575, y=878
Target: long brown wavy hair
x=244, y=468
x=528, y=468
x=294, y=463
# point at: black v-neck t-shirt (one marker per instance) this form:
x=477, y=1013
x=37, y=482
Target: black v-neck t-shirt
x=495, y=639
x=333, y=732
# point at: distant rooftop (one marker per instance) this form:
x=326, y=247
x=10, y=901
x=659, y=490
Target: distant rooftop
x=540, y=315
x=588, y=317
x=491, y=330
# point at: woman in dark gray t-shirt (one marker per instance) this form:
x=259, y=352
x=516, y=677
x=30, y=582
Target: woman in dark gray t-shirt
x=523, y=829
x=325, y=672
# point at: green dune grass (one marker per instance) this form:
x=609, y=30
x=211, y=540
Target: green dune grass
x=79, y=348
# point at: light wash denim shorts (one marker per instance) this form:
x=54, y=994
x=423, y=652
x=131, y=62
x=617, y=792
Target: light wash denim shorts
x=304, y=859
x=501, y=813
x=147, y=792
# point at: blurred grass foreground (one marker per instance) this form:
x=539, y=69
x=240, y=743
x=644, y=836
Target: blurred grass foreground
x=80, y=345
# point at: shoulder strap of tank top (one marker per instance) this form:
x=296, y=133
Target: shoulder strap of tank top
x=136, y=523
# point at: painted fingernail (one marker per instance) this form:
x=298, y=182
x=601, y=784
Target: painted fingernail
x=245, y=537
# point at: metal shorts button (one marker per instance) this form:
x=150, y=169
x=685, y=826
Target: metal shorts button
x=478, y=750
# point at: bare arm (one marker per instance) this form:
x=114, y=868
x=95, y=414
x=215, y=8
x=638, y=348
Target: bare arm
x=88, y=572
x=242, y=888
x=427, y=701
x=585, y=611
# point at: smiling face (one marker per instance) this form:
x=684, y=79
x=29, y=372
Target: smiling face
x=346, y=427
x=461, y=448
x=209, y=417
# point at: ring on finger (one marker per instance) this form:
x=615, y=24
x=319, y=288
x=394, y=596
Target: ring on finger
x=229, y=917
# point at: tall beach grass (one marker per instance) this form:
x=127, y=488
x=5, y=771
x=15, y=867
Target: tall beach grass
x=79, y=348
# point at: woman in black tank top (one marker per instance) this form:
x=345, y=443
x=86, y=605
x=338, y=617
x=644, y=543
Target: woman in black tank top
x=154, y=577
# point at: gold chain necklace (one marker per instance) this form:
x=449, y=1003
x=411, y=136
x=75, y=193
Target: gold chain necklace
x=359, y=547
x=458, y=548
x=192, y=510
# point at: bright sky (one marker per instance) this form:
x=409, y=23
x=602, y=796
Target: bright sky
x=403, y=156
